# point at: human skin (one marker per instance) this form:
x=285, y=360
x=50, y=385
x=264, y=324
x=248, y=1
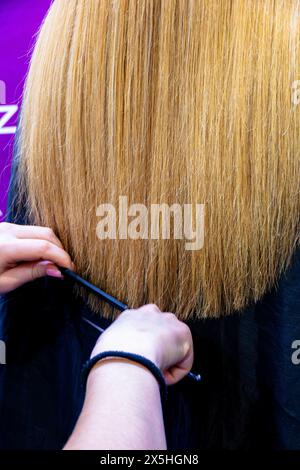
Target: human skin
x=122, y=408
x=27, y=253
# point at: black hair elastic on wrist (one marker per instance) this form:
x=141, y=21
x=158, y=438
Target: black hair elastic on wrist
x=134, y=357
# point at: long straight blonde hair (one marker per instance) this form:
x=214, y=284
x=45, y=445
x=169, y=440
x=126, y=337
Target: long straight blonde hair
x=168, y=101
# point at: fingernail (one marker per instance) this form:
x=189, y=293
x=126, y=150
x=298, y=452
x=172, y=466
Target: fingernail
x=54, y=273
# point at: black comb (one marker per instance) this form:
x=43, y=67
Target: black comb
x=107, y=298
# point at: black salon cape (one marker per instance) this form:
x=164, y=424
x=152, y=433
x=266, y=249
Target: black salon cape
x=249, y=397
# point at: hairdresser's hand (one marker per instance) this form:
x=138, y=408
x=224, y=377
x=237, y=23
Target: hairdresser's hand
x=159, y=336
x=27, y=253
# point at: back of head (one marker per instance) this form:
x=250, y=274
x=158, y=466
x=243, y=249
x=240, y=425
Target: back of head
x=175, y=102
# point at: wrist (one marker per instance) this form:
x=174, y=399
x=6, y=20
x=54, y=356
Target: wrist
x=119, y=370
x=147, y=352
x=134, y=359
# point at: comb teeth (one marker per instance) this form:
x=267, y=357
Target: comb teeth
x=94, y=290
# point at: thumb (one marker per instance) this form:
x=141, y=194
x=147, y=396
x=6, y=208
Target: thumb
x=26, y=272
x=177, y=372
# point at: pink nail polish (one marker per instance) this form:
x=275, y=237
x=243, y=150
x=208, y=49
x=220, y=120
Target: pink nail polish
x=54, y=273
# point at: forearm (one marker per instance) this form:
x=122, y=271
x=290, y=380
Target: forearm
x=122, y=409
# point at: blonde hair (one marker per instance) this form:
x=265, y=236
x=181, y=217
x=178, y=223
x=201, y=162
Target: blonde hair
x=168, y=101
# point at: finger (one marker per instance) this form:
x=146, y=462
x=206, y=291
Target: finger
x=34, y=232
x=26, y=272
x=187, y=361
x=148, y=308
x=184, y=356
x=18, y=250
x=176, y=373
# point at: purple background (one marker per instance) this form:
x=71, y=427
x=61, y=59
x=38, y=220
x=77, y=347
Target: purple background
x=19, y=22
